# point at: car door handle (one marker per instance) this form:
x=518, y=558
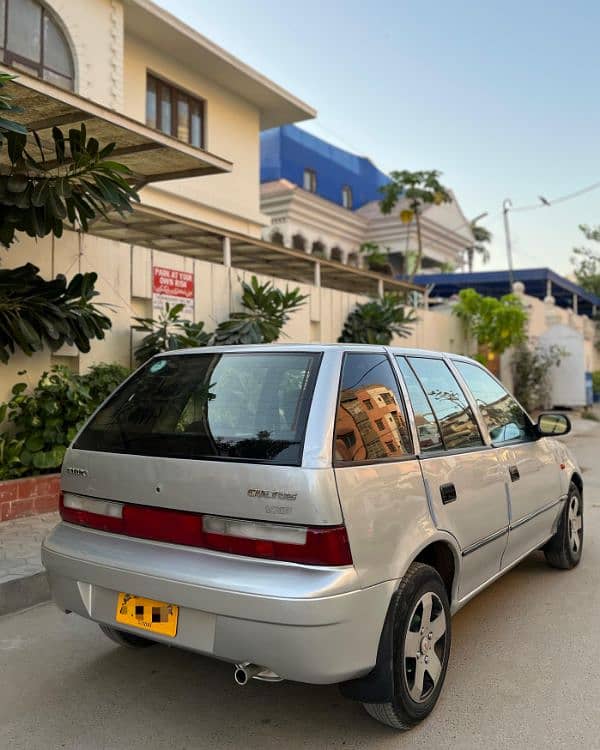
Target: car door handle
x=448, y=493
x=514, y=473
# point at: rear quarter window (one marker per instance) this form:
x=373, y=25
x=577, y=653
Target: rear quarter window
x=247, y=406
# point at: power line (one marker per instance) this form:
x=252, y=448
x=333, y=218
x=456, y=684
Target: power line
x=561, y=199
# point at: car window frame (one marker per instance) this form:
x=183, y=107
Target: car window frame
x=515, y=441
x=483, y=433
x=340, y=464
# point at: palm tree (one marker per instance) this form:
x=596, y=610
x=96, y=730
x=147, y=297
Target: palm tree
x=481, y=235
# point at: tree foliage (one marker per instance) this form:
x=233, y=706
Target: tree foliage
x=266, y=311
x=586, y=261
x=495, y=323
x=43, y=421
x=482, y=237
x=378, y=321
x=35, y=313
x=38, y=195
x=169, y=331
x=416, y=190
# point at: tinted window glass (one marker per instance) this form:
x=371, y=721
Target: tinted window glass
x=502, y=415
x=455, y=417
x=202, y=406
x=425, y=422
x=370, y=423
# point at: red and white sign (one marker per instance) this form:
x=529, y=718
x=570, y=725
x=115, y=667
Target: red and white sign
x=172, y=287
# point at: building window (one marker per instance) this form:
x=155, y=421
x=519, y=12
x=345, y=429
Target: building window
x=31, y=40
x=368, y=403
x=380, y=425
x=310, y=180
x=174, y=112
x=347, y=197
x=277, y=237
x=298, y=242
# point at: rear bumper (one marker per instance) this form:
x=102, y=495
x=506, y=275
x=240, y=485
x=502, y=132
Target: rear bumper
x=306, y=623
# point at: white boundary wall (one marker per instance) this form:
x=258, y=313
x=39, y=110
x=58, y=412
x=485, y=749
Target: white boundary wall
x=125, y=283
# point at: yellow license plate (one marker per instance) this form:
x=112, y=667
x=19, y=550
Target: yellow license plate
x=147, y=614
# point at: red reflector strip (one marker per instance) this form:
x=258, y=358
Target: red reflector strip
x=325, y=545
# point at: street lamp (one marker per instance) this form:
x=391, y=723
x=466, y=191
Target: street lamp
x=506, y=206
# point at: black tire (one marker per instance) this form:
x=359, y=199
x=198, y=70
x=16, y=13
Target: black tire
x=129, y=640
x=421, y=582
x=564, y=550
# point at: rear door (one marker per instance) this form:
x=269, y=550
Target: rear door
x=377, y=472
x=530, y=466
x=462, y=475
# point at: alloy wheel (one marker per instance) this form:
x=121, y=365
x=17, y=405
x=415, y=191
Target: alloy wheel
x=424, y=647
x=575, y=524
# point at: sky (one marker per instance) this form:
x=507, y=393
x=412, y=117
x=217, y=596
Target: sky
x=500, y=96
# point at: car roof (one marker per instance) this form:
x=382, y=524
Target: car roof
x=340, y=347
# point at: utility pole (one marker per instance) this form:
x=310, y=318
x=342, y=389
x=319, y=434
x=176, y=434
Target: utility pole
x=506, y=206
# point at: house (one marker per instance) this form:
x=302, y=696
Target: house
x=186, y=116
x=323, y=199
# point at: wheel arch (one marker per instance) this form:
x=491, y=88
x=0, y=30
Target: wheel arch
x=577, y=481
x=442, y=553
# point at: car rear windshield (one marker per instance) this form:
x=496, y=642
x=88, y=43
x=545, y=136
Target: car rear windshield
x=246, y=406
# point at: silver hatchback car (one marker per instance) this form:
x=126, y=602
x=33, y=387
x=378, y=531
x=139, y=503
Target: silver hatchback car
x=311, y=513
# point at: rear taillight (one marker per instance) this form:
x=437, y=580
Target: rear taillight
x=311, y=545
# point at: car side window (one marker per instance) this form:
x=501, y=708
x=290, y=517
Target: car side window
x=371, y=421
x=428, y=430
x=449, y=403
x=504, y=418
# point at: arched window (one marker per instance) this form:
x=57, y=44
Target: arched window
x=32, y=41
x=347, y=197
x=318, y=249
x=277, y=237
x=337, y=254
x=298, y=242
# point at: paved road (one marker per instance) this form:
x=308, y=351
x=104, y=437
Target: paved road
x=524, y=673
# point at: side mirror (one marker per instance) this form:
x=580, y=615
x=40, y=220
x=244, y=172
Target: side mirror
x=553, y=424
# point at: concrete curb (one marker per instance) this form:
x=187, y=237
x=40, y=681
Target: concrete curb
x=21, y=593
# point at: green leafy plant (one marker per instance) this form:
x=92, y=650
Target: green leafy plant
x=168, y=332
x=586, y=261
x=415, y=191
x=266, y=311
x=596, y=382
x=42, y=422
x=377, y=259
x=531, y=371
x=378, y=321
x=102, y=379
x=35, y=313
x=38, y=194
x=496, y=324
x=482, y=237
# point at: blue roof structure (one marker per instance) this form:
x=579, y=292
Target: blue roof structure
x=497, y=283
x=285, y=153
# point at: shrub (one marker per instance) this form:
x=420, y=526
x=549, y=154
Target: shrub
x=378, y=321
x=266, y=311
x=596, y=381
x=169, y=331
x=531, y=369
x=42, y=423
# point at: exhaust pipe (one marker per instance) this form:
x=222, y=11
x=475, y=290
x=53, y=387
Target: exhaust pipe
x=247, y=671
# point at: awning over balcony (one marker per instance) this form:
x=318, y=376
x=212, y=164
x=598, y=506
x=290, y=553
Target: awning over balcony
x=157, y=229
x=152, y=156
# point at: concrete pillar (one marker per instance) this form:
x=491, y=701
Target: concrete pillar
x=575, y=301
x=317, y=274
x=380, y=288
x=227, y=252
x=548, y=288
